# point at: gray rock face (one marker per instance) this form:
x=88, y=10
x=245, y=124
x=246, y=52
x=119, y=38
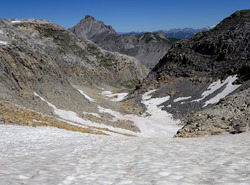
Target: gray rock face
x=216, y=53
x=149, y=48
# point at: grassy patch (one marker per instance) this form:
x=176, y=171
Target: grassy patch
x=92, y=48
x=12, y=114
x=107, y=60
x=173, y=40
x=131, y=84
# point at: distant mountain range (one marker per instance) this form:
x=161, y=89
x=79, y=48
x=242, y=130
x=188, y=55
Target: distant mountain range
x=179, y=33
x=183, y=33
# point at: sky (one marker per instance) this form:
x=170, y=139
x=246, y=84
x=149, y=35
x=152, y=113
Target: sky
x=126, y=15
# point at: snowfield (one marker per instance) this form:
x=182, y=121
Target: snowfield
x=45, y=155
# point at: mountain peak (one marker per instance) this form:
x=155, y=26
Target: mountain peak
x=89, y=27
x=89, y=17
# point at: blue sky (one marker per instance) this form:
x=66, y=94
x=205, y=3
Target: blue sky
x=126, y=15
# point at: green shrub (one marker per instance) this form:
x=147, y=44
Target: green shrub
x=42, y=61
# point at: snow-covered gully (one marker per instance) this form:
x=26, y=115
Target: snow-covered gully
x=45, y=155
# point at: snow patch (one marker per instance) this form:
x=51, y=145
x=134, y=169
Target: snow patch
x=211, y=27
x=217, y=85
x=17, y=21
x=114, y=97
x=3, y=42
x=147, y=96
x=182, y=98
x=229, y=88
x=86, y=96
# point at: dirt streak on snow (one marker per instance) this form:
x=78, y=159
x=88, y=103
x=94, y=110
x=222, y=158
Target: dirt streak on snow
x=92, y=114
x=45, y=155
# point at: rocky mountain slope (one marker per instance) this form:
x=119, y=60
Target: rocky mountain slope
x=47, y=72
x=198, y=72
x=42, y=62
x=149, y=48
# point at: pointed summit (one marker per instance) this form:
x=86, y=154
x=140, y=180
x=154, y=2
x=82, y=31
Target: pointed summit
x=89, y=28
x=89, y=17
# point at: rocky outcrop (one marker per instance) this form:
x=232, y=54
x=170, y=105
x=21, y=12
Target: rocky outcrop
x=231, y=114
x=149, y=48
